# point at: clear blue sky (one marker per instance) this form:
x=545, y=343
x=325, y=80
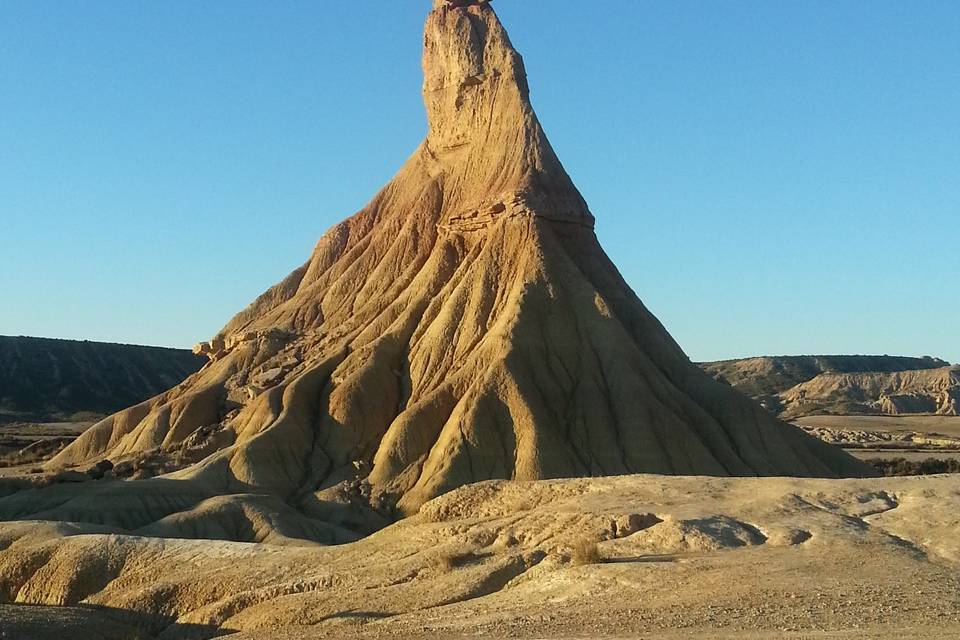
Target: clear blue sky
x=770, y=177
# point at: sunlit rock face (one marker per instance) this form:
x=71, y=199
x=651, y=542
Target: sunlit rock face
x=465, y=325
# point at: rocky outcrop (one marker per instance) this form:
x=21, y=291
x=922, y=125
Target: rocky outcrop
x=928, y=391
x=47, y=380
x=770, y=375
x=768, y=378
x=464, y=326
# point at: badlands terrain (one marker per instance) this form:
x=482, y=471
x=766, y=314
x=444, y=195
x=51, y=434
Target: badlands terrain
x=624, y=557
x=797, y=386
x=51, y=390
x=876, y=407
x=376, y=445
x=463, y=326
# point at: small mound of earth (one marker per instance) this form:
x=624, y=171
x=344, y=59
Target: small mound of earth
x=671, y=536
x=246, y=518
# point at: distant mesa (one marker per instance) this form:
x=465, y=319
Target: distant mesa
x=465, y=325
x=49, y=380
x=797, y=386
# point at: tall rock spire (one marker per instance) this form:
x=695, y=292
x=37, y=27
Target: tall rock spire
x=484, y=137
x=465, y=325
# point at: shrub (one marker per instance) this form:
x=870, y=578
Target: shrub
x=585, y=551
x=904, y=467
x=449, y=560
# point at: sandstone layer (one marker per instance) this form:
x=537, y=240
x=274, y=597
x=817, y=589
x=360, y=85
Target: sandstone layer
x=465, y=325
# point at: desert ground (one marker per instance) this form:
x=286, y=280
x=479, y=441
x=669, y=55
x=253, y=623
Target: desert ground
x=622, y=557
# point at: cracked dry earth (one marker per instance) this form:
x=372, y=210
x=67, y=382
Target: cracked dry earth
x=678, y=557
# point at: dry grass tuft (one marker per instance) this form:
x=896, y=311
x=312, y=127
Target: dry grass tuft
x=585, y=551
x=449, y=560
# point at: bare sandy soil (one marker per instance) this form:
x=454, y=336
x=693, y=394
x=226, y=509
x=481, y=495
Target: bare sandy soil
x=676, y=557
x=881, y=633
x=56, y=623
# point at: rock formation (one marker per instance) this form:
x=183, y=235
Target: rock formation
x=925, y=391
x=796, y=386
x=465, y=325
x=770, y=375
